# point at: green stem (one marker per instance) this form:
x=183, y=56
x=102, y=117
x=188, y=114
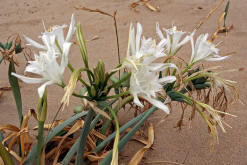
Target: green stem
x=40, y=141
x=118, y=51
x=116, y=109
x=127, y=137
x=125, y=77
x=187, y=68
x=118, y=95
x=122, y=129
x=83, y=138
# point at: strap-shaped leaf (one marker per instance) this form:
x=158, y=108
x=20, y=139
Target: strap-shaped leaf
x=5, y=155
x=16, y=90
x=32, y=154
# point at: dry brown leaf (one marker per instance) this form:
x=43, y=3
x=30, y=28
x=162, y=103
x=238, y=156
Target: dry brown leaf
x=1, y=94
x=97, y=110
x=134, y=5
x=91, y=142
x=209, y=14
x=15, y=155
x=152, y=8
x=50, y=126
x=7, y=88
x=93, y=157
x=138, y=133
x=93, y=10
x=93, y=38
x=97, y=134
x=220, y=29
x=139, y=155
x=140, y=140
x=73, y=129
x=9, y=127
x=163, y=161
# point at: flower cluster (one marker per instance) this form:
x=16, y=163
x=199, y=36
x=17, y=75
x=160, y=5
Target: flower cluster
x=46, y=63
x=141, y=56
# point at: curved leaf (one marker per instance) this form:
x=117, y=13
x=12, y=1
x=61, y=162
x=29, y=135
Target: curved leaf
x=32, y=154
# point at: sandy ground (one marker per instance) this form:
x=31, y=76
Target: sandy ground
x=189, y=146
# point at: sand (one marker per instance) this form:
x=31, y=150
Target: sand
x=190, y=145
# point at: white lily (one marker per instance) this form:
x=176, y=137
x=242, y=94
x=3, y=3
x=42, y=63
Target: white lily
x=173, y=40
x=54, y=34
x=46, y=66
x=143, y=52
x=204, y=50
x=146, y=84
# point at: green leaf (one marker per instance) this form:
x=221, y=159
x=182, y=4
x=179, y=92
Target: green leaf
x=83, y=91
x=114, y=79
x=40, y=141
x=114, y=160
x=125, y=83
x=226, y=12
x=122, y=129
x=18, y=48
x=128, y=136
x=1, y=60
x=119, y=82
x=5, y=46
x=78, y=109
x=2, y=46
x=5, y=155
x=102, y=105
x=32, y=154
x=83, y=137
x=9, y=45
x=16, y=90
x=174, y=96
x=73, y=149
x=1, y=136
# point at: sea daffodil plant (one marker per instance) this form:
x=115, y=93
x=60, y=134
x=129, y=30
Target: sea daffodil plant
x=144, y=84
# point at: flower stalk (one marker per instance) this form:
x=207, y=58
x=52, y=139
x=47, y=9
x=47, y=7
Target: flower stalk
x=41, y=115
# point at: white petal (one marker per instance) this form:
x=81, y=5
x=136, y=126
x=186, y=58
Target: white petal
x=41, y=89
x=159, y=32
x=132, y=41
x=138, y=36
x=71, y=28
x=64, y=60
x=167, y=79
x=137, y=101
x=158, y=104
x=33, y=69
x=156, y=67
x=28, y=79
x=217, y=58
x=34, y=43
x=192, y=49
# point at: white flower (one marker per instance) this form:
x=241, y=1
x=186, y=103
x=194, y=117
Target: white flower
x=173, y=40
x=143, y=52
x=146, y=84
x=55, y=33
x=46, y=66
x=204, y=50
